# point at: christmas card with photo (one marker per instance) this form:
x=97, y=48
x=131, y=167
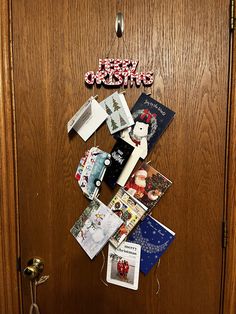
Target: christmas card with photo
x=154, y=239
x=123, y=265
x=94, y=227
x=147, y=185
x=119, y=116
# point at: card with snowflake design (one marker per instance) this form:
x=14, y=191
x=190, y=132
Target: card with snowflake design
x=154, y=239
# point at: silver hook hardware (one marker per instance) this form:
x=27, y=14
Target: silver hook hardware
x=119, y=24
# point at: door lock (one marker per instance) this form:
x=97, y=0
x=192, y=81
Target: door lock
x=34, y=268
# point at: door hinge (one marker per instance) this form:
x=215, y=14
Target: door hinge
x=232, y=18
x=224, y=234
x=18, y=264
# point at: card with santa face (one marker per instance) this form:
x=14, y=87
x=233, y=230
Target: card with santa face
x=95, y=226
x=129, y=210
x=147, y=185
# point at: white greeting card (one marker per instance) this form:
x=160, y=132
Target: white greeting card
x=87, y=119
x=123, y=265
x=95, y=226
x=119, y=116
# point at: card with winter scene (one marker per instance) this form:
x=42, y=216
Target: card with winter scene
x=95, y=226
x=147, y=185
x=119, y=116
x=129, y=210
x=87, y=119
x=123, y=265
x=154, y=239
x=119, y=156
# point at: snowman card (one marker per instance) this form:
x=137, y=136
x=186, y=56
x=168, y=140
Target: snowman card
x=119, y=116
x=95, y=226
x=151, y=119
x=123, y=265
x=147, y=185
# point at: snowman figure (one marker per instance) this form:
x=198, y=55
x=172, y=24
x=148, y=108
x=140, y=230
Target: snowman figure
x=137, y=137
x=97, y=233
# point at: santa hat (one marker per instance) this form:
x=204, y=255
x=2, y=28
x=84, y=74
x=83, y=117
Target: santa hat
x=142, y=173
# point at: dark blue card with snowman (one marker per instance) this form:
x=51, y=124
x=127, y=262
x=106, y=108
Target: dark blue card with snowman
x=154, y=239
x=151, y=119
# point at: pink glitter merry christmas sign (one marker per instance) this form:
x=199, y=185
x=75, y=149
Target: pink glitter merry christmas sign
x=117, y=72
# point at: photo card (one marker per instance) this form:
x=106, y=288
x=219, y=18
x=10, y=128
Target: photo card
x=123, y=265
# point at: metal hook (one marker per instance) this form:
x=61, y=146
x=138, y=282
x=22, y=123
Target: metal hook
x=119, y=24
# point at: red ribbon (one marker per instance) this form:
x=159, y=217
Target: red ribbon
x=148, y=115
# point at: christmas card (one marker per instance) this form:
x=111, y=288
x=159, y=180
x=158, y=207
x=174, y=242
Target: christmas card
x=123, y=265
x=91, y=170
x=119, y=116
x=151, y=118
x=129, y=210
x=94, y=227
x=119, y=156
x=154, y=239
x=147, y=185
x=87, y=119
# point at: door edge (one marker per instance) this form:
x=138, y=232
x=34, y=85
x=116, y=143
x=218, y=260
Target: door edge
x=10, y=299
x=229, y=294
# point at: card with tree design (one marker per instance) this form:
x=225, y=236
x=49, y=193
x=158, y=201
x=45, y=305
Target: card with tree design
x=119, y=116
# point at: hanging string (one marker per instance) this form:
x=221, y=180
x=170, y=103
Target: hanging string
x=112, y=43
x=95, y=133
x=33, y=294
x=103, y=264
x=157, y=280
x=34, y=309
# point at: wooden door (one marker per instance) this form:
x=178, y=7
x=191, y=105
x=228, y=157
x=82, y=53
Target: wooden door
x=186, y=44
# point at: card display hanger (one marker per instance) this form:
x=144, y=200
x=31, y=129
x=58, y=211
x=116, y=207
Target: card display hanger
x=119, y=25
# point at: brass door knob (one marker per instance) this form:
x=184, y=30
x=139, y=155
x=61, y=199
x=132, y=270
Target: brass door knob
x=34, y=268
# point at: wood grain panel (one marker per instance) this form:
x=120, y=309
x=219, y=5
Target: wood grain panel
x=230, y=273
x=55, y=43
x=9, y=286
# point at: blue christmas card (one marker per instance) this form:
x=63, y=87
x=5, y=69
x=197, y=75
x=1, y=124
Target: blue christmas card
x=154, y=239
x=151, y=119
